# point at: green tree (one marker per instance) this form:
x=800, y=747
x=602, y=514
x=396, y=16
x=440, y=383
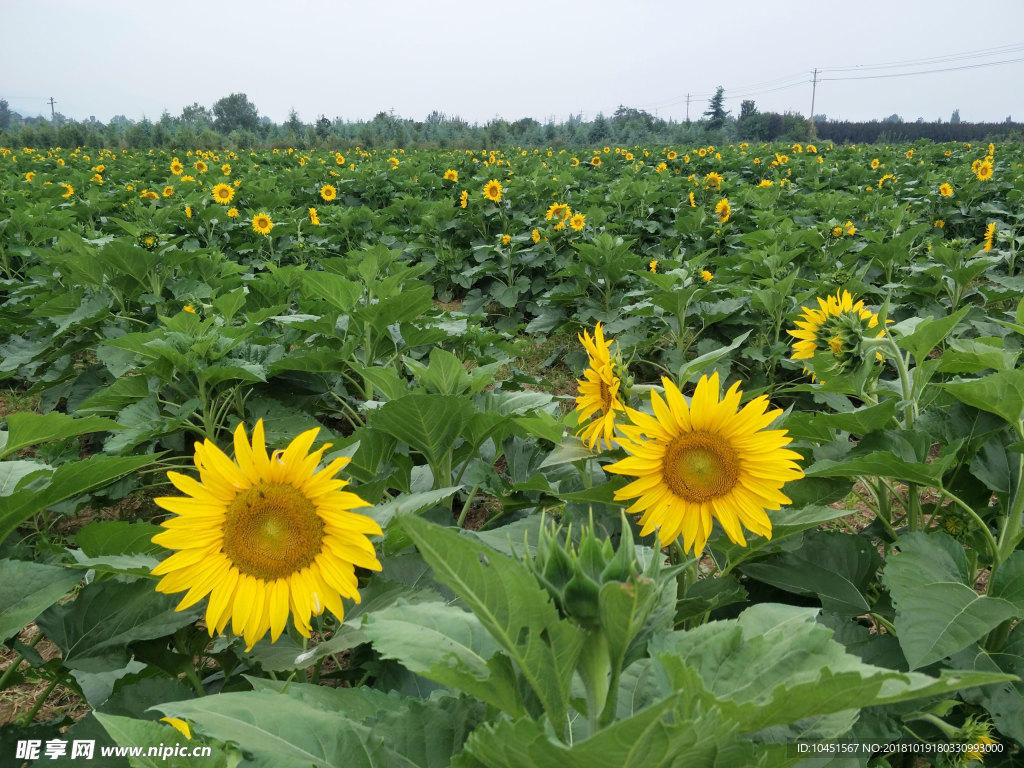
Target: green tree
x=716, y=112
x=5, y=114
x=235, y=112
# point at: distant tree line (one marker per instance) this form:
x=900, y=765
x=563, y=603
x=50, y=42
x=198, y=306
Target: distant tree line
x=234, y=122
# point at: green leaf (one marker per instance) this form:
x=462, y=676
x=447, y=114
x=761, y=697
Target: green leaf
x=408, y=504
x=936, y=613
x=928, y=333
x=146, y=734
x=1001, y=393
x=29, y=589
x=13, y=472
x=693, y=368
x=836, y=567
x=430, y=424
x=519, y=614
x=862, y=421
x=94, y=630
x=449, y=646
x=67, y=481
x=118, y=537
x=25, y=429
x=880, y=464
x=1008, y=581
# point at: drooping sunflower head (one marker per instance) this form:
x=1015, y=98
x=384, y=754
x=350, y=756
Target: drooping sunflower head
x=264, y=537
x=598, y=398
x=990, y=234
x=492, y=190
x=223, y=193
x=464, y=198
x=702, y=461
x=68, y=189
x=328, y=192
x=314, y=218
x=723, y=209
x=262, y=224
x=451, y=175
x=839, y=326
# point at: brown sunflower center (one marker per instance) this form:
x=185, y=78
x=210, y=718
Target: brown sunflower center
x=700, y=466
x=271, y=531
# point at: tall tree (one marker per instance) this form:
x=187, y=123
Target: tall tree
x=716, y=112
x=235, y=112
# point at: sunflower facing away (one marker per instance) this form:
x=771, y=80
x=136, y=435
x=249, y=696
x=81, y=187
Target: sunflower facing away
x=598, y=391
x=264, y=536
x=838, y=325
x=705, y=461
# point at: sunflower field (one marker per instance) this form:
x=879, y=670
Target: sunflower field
x=645, y=456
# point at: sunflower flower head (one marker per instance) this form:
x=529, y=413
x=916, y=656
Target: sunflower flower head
x=598, y=398
x=492, y=190
x=223, y=193
x=262, y=224
x=839, y=326
x=990, y=234
x=264, y=536
x=702, y=461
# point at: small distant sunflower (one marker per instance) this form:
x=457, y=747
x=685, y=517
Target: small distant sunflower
x=558, y=211
x=704, y=461
x=578, y=221
x=328, y=192
x=595, y=161
x=990, y=234
x=535, y=236
x=68, y=189
x=506, y=239
x=201, y=166
x=188, y=211
x=262, y=224
x=464, y=199
x=723, y=209
x=671, y=154
x=149, y=194
x=168, y=191
x=264, y=537
x=574, y=162
x=598, y=397
x=874, y=164
x=653, y=266
x=223, y=193
x=984, y=170
x=492, y=190
x=30, y=176
x=314, y=218
x=940, y=223
x=693, y=201
x=706, y=276
x=946, y=190
x=176, y=167
x=451, y=175
x=226, y=169
x=232, y=213
x=713, y=180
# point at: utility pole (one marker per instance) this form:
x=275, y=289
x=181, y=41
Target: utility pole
x=53, y=115
x=687, y=109
x=814, y=92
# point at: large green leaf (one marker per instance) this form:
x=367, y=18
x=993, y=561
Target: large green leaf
x=1001, y=393
x=1008, y=581
x=775, y=665
x=97, y=627
x=25, y=429
x=67, y=481
x=28, y=590
x=929, y=332
x=937, y=614
x=430, y=424
x=449, y=646
x=517, y=613
x=1004, y=701
x=145, y=734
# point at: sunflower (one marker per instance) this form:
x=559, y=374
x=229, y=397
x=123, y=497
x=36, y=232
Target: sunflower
x=223, y=193
x=574, y=162
x=328, y=192
x=653, y=265
x=578, y=221
x=168, y=191
x=836, y=317
x=706, y=276
x=232, y=213
x=201, y=166
x=874, y=164
x=595, y=161
x=598, y=390
x=713, y=180
x=723, y=210
x=558, y=211
x=226, y=169
x=314, y=218
x=492, y=190
x=946, y=190
x=262, y=224
x=990, y=233
x=464, y=199
x=535, y=236
x=984, y=170
x=264, y=536
x=704, y=461
x=30, y=176
x=68, y=189
x=671, y=154
x=176, y=167
x=451, y=175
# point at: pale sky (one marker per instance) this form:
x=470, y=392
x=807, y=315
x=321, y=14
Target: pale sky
x=533, y=58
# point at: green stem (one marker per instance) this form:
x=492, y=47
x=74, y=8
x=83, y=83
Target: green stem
x=40, y=701
x=990, y=540
x=465, y=507
x=881, y=621
x=1011, y=533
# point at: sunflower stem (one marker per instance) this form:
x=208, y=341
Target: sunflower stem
x=990, y=540
x=31, y=715
x=465, y=507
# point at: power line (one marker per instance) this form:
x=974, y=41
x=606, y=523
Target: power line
x=928, y=71
x=997, y=51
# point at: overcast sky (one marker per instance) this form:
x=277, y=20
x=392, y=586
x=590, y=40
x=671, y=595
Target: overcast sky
x=533, y=58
